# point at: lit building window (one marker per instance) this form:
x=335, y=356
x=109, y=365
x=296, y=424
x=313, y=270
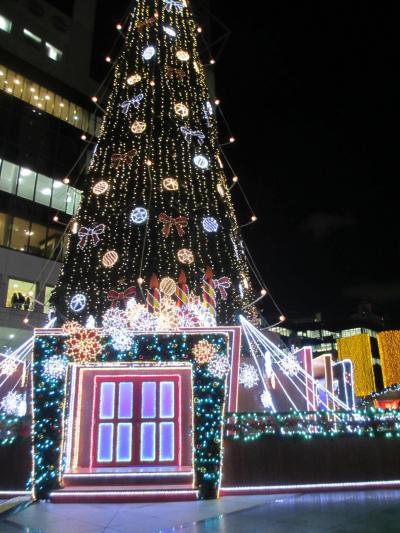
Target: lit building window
x=31, y=36
x=53, y=53
x=40, y=97
x=21, y=294
x=46, y=303
x=38, y=188
x=5, y=24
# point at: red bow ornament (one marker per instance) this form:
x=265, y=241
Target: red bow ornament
x=169, y=222
x=122, y=159
x=222, y=284
x=115, y=296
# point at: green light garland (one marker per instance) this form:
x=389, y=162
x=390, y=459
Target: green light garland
x=369, y=422
x=12, y=428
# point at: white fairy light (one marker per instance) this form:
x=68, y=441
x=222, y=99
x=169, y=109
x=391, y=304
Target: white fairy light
x=266, y=399
x=114, y=319
x=219, y=366
x=248, y=376
x=8, y=367
x=14, y=404
x=289, y=365
x=54, y=367
x=121, y=339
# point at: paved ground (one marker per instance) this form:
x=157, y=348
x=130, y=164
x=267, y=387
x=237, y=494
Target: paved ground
x=361, y=512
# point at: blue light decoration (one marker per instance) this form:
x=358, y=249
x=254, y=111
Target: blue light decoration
x=139, y=215
x=201, y=162
x=78, y=303
x=149, y=52
x=169, y=31
x=208, y=392
x=210, y=225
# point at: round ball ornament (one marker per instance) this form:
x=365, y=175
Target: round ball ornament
x=110, y=258
x=185, y=256
x=135, y=78
x=182, y=55
x=167, y=286
x=100, y=187
x=170, y=184
x=210, y=225
x=149, y=52
x=139, y=215
x=200, y=161
x=169, y=31
x=181, y=110
x=138, y=127
x=78, y=303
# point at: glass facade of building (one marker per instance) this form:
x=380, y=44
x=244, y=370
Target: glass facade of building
x=26, y=236
x=45, y=100
x=38, y=188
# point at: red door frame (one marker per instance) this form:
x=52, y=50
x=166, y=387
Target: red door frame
x=136, y=420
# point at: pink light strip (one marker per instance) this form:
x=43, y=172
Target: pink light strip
x=139, y=474
x=121, y=493
x=355, y=484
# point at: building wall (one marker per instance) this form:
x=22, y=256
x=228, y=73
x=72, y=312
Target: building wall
x=39, y=273
x=70, y=35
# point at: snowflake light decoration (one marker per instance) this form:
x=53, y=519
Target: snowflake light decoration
x=121, y=339
x=54, y=367
x=203, y=352
x=266, y=399
x=14, y=404
x=219, y=366
x=8, y=367
x=144, y=321
x=71, y=327
x=114, y=319
x=133, y=311
x=248, y=376
x=84, y=346
x=289, y=365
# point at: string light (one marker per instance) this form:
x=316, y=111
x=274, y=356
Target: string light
x=248, y=376
x=358, y=349
x=389, y=351
x=149, y=176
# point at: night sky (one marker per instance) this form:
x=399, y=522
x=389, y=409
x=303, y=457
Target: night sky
x=310, y=92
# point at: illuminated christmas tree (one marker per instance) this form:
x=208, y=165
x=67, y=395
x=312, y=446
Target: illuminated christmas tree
x=157, y=219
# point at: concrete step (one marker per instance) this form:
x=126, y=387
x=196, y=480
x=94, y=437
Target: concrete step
x=123, y=494
x=129, y=476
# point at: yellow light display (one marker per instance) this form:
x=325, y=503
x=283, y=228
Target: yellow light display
x=389, y=350
x=358, y=349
